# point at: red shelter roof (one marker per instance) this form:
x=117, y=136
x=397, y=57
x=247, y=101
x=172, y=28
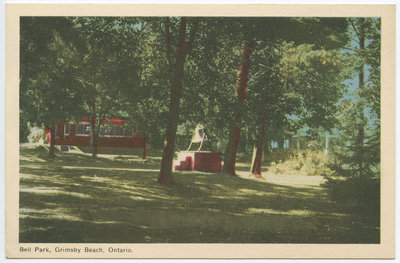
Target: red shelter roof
x=113, y=121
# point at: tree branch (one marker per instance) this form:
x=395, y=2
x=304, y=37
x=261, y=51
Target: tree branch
x=350, y=49
x=355, y=30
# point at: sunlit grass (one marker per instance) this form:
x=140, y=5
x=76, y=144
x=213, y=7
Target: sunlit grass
x=277, y=212
x=76, y=198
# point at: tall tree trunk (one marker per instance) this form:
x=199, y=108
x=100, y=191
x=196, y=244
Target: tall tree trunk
x=165, y=176
x=241, y=90
x=52, y=140
x=361, y=87
x=360, y=34
x=259, y=151
x=257, y=165
x=361, y=128
x=93, y=131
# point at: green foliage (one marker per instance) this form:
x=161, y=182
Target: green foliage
x=357, y=156
x=303, y=84
x=108, y=71
x=145, y=104
x=368, y=57
x=122, y=66
x=308, y=162
x=210, y=81
x=358, y=120
x=314, y=78
x=210, y=78
x=48, y=91
x=211, y=73
x=355, y=181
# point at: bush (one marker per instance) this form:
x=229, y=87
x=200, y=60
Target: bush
x=304, y=163
x=38, y=135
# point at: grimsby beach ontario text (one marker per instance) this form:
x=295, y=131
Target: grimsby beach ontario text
x=76, y=250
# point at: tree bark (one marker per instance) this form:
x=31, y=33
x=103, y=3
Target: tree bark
x=165, y=176
x=241, y=90
x=257, y=166
x=231, y=150
x=52, y=140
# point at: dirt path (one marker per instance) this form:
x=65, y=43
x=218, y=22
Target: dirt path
x=300, y=181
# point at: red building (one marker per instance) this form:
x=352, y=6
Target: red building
x=113, y=133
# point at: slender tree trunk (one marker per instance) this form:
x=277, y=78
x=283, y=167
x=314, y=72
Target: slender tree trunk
x=281, y=144
x=241, y=90
x=52, y=140
x=257, y=166
x=360, y=34
x=326, y=143
x=259, y=151
x=93, y=131
x=361, y=87
x=361, y=128
x=165, y=176
x=144, y=156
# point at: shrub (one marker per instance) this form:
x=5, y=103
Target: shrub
x=38, y=135
x=304, y=163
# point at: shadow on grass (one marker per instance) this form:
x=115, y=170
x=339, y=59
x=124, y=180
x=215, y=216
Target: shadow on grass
x=39, y=155
x=84, y=204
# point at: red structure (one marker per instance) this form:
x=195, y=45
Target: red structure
x=186, y=165
x=113, y=133
x=209, y=162
x=202, y=161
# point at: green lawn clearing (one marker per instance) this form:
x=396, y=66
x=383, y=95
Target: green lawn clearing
x=116, y=199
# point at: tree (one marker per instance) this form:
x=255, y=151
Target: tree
x=241, y=90
x=328, y=33
x=48, y=91
x=184, y=46
x=359, y=117
x=303, y=85
x=147, y=105
x=356, y=172
x=210, y=76
x=107, y=70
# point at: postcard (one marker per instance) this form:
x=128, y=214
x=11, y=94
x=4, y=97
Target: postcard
x=221, y=131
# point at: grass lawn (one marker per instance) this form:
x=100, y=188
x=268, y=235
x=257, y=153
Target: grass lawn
x=116, y=199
